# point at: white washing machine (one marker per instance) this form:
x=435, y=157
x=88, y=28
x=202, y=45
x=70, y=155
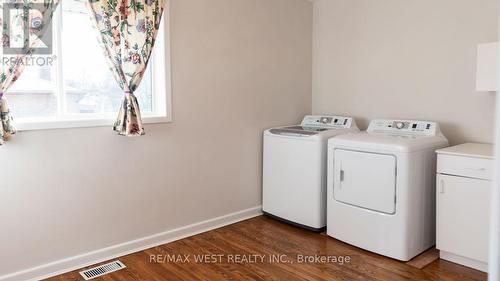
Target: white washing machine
x=294, y=169
x=381, y=187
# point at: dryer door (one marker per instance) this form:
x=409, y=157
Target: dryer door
x=365, y=180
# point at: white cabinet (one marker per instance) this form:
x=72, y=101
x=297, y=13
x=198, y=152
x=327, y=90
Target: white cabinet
x=464, y=175
x=463, y=216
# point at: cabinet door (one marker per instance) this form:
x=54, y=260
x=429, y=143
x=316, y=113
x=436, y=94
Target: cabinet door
x=463, y=216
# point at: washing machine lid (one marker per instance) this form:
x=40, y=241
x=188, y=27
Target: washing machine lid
x=316, y=125
x=297, y=131
x=365, y=180
x=395, y=135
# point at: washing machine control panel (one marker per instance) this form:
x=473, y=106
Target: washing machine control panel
x=403, y=127
x=325, y=121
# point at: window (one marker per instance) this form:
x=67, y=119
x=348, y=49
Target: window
x=74, y=87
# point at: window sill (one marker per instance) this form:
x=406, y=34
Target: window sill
x=53, y=123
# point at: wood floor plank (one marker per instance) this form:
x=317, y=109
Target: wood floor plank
x=424, y=259
x=267, y=237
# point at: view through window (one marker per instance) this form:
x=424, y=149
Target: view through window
x=78, y=83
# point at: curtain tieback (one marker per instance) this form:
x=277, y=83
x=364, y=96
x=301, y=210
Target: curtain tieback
x=1, y=95
x=128, y=93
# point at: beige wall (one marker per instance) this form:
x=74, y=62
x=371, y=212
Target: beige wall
x=404, y=59
x=238, y=67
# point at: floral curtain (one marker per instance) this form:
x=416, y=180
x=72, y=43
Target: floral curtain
x=127, y=31
x=34, y=17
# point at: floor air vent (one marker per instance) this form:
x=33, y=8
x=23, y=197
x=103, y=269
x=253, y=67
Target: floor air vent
x=102, y=270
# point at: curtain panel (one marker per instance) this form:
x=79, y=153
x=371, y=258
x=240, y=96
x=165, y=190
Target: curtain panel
x=31, y=16
x=127, y=31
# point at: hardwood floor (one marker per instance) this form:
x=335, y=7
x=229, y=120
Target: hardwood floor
x=270, y=238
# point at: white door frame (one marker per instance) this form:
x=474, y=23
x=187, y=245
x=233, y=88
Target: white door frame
x=494, y=261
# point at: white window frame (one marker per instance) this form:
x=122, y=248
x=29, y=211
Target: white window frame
x=162, y=103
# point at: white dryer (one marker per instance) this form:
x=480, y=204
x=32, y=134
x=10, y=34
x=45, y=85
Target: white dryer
x=381, y=187
x=294, y=169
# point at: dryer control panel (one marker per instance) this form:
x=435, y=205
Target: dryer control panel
x=325, y=121
x=403, y=127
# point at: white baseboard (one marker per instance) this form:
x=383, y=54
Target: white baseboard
x=72, y=263
x=479, y=265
